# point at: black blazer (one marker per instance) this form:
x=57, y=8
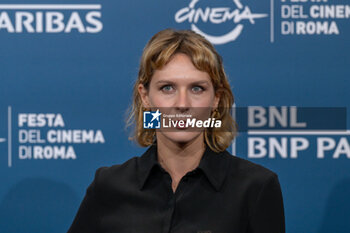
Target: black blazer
x=224, y=194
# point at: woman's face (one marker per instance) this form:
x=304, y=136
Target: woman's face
x=179, y=87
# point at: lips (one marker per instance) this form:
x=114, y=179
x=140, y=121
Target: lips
x=178, y=126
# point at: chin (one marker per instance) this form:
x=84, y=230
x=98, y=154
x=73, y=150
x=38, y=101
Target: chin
x=181, y=136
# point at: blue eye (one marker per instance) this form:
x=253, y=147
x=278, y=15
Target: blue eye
x=197, y=88
x=166, y=88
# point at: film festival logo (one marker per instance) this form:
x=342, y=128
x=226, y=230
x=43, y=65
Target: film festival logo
x=44, y=136
x=236, y=12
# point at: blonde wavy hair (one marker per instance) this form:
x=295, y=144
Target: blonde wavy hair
x=157, y=53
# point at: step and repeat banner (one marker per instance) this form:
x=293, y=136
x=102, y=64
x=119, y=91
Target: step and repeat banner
x=67, y=70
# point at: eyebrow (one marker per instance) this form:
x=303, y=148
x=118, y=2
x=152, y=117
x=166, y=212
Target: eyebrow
x=171, y=82
x=163, y=81
x=201, y=82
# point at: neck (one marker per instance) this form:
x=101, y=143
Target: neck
x=178, y=159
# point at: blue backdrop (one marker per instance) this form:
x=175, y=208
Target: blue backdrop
x=69, y=69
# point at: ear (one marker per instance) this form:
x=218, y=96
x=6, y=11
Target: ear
x=144, y=95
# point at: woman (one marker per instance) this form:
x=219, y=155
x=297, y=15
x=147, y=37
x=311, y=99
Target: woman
x=186, y=181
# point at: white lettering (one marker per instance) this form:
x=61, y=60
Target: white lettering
x=5, y=22
x=297, y=144
x=26, y=19
x=40, y=120
x=260, y=115
x=324, y=144
x=258, y=144
x=75, y=136
x=54, y=22
x=92, y=18
x=274, y=145
x=75, y=22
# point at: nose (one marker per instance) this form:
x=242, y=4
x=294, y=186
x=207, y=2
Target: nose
x=183, y=102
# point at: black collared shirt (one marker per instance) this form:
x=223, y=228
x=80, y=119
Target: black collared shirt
x=224, y=194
